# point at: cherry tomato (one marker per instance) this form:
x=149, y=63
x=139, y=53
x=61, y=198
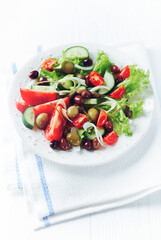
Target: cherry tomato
x=56, y=126
x=80, y=120
x=48, y=107
x=118, y=93
x=96, y=79
x=102, y=118
x=21, y=106
x=111, y=138
x=48, y=64
x=33, y=97
x=125, y=72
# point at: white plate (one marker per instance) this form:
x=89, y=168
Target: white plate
x=35, y=139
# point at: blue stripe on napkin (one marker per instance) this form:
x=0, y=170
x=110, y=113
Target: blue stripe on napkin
x=46, y=221
x=44, y=184
x=14, y=68
x=39, y=48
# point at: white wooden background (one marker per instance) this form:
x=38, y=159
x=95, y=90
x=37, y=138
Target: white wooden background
x=24, y=25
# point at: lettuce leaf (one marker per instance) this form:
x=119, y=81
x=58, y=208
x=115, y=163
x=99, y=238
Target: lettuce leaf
x=136, y=108
x=120, y=121
x=51, y=76
x=102, y=64
x=136, y=82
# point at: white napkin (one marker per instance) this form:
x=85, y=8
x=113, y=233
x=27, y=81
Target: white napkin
x=55, y=193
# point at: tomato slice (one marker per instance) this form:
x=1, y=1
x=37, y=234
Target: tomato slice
x=96, y=79
x=56, y=126
x=102, y=118
x=80, y=120
x=21, y=106
x=111, y=138
x=49, y=107
x=48, y=64
x=125, y=72
x=118, y=93
x=33, y=97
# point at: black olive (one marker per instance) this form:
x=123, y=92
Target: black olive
x=128, y=112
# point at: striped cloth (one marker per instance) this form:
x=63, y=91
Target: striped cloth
x=56, y=193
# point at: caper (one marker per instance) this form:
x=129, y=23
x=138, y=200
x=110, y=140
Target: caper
x=93, y=114
x=72, y=112
x=74, y=139
x=67, y=67
x=79, y=75
x=42, y=120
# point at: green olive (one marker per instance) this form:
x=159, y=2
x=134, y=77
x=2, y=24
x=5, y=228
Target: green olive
x=73, y=138
x=78, y=75
x=93, y=114
x=67, y=67
x=72, y=112
x=42, y=120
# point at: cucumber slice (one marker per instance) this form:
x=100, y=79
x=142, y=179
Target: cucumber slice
x=28, y=117
x=91, y=101
x=76, y=51
x=92, y=135
x=67, y=85
x=103, y=91
x=42, y=88
x=109, y=82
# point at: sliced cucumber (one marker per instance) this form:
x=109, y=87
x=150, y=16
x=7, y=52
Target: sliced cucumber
x=103, y=91
x=109, y=82
x=92, y=135
x=60, y=87
x=91, y=101
x=67, y=85
x=28, y=117
x=76, y=51
x=42, y=88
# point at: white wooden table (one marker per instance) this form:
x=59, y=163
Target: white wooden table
x=23, y=26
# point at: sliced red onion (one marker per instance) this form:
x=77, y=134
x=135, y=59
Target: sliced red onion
x=84, y=68
x=64, y=112
x=98, y=87
x=98, y=135
x=61, y=102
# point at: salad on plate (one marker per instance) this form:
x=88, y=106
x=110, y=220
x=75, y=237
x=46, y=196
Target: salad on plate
x=80, y=101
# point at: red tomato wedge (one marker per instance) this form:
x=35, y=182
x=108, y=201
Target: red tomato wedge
x=49, y=64
x=111, y=138
x=21, y=106
x=33, y=97
x=56, y=126
x=80, y=120
x=102, y=118
x=125, y=72
x=49, y=107
x=118, y=93
x=96, y=79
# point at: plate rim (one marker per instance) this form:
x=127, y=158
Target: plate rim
x=63, y=162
